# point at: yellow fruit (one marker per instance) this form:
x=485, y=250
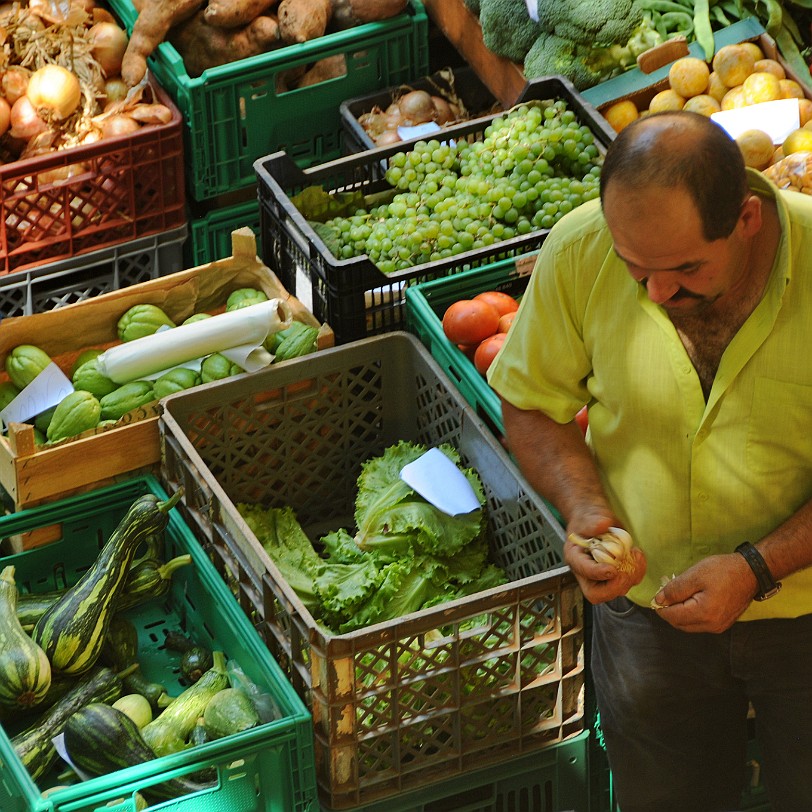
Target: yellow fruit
x=688, y=76
x=799, y=140
x=777, y=155
x=761, y=87
x=756, y=147
x=621, y=114
x=716, y=87
x=770, y=66
x=666, y=100
x=734, y=98
x=703, y=104
x=804, y=111
x=790, y=89
x=734, y=63
x=754, y=49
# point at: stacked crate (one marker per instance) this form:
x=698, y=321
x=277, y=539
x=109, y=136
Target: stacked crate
x=235, y=113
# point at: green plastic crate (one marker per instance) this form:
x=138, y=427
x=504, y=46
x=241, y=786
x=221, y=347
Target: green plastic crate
x=233, y=114
x=210, y=230
x=427, y=301
x=267, y=769
x=550, y=780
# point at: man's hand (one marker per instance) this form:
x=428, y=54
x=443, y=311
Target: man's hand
x=602, y=582
x=709, y=596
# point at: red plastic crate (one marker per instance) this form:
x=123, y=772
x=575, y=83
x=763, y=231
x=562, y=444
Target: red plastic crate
x=131, y=186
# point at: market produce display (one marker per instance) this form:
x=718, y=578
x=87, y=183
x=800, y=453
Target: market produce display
x=405, y=554
x=534, y=164
x=99, y=402
x=589, y=42
x=210, y=34
x=61, y=81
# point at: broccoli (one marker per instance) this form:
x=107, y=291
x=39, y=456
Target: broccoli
x=590, y=22
x=587, y=65
x=507, y=29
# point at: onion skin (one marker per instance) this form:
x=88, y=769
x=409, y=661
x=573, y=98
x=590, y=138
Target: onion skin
x=443, y=112
x=416, y=107
x=5, y=116
x=151, y=114
x=14, y=83
x=387, y=137
x=115, y=89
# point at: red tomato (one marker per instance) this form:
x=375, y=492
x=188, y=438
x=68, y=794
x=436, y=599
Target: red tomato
x=469, y=321
x=486, y=351
x=581, y=419
x=505, y=321
x=503, y=302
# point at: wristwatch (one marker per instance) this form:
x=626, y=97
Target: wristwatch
x=767, y=585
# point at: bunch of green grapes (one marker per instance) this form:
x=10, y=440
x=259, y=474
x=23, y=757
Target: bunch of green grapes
x=534, y=164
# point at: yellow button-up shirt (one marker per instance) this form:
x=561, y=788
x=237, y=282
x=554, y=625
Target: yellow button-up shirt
x=688, y=478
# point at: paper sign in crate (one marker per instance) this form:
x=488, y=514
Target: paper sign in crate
x=353, y=295
x=234, y=113
x=434, y=694
x=264, y=769
x=425, y=305
x=33, y=474
x=128, y=186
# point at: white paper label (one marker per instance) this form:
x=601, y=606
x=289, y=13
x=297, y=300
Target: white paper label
x=46, y=390
x=419, y=130
x=777, y=118
x=435, y=477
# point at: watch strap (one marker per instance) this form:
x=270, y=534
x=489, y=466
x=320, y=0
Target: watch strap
x=767, y=585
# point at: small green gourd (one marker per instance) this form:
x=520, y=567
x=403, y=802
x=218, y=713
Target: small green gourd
x=197, y=317
x=8, y=391
x=216, y=366
x=25, y=672
x=230, y=711
x=127, y=397
x=244, y=297
x=142, y=320
x=88, y=378
x=83, y=357
x=302, y=342
x=24, y=363
x=176, y=380
x=77, y=412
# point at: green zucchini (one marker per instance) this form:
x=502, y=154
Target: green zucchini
x=101, y=739
x=195, y=662
x=175, y=723
x=34, y=746
x=72, y=631
x=25, y=673
x=147, y=578
x=230, y=711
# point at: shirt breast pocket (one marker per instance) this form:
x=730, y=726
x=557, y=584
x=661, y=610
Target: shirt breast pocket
x=779, y=433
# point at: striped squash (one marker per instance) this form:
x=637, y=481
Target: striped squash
x=25, y=672
x=72, y=631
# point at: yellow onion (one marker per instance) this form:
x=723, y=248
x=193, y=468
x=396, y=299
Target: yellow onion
x=14, y=83
x=107, y=45
x=25, y=123
x=54, y=89
x=5, y=116
x=118, y=124
x=115, y=89
x=151, y=113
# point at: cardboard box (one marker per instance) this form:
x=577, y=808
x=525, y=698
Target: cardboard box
x=33, y=474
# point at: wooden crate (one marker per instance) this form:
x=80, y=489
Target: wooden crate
x=504, y=78
x=31, y=475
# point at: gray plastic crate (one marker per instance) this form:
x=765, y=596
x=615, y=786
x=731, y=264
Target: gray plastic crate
x=72, y=280
x=436, y=693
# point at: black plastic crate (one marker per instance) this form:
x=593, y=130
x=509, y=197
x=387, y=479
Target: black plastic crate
x=353, y=295
x=478, y=101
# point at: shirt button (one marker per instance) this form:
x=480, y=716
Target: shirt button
x=703, y=497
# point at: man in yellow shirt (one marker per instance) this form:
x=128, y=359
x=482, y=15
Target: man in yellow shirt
x=679, y=308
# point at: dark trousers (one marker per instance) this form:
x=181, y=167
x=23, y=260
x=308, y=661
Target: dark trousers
x=674, y=709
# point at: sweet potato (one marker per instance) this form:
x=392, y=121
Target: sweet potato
x=303, y=20
x=347, y=13
x=155, y=18
x=231, y=14
x=205, y=46
x=328, y=68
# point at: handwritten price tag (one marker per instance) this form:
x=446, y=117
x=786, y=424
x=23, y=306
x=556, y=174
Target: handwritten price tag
x=46, y=390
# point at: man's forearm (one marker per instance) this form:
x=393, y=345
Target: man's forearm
x=556, y=461
x=788, y=548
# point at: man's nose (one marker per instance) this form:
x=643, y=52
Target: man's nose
x=659, y=286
